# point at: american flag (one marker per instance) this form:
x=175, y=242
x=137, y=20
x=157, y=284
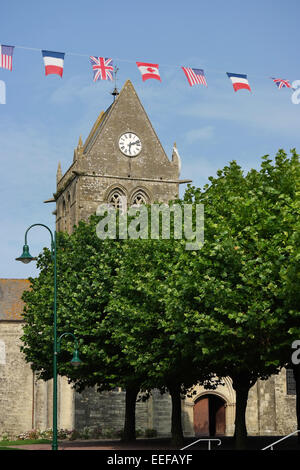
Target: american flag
x=194, y=76
x=103, y=68
x=281, y=83
x=6, y=53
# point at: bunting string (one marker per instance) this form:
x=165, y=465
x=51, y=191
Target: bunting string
x=103, y=69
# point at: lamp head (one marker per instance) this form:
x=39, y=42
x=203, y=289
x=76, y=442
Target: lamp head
x=76, y=361
x=26, y=256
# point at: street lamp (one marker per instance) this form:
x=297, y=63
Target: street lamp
x=26, y=258
x=76, y=361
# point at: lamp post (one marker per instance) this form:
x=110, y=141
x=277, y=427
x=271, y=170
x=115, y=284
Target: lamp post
x=27, y=258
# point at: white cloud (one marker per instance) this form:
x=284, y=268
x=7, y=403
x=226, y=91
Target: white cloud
x=265, y=111
x=73, y=89
x=202, y=133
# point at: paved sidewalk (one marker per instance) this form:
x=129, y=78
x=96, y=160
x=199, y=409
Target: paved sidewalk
x=227, y=443
x=140, y=444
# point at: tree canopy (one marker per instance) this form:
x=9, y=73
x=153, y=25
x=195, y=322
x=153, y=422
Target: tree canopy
x=152, y=314
x=233, y=294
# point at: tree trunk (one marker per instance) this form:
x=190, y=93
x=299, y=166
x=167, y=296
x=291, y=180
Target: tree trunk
x=129, y=425
x=241, y=384
x=176, y=426
x=296, y=370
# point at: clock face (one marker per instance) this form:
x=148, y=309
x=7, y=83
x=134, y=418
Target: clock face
x=130, y=144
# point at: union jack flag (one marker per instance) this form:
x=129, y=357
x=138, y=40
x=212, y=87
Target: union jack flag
x=102, y=67
x=281, y=83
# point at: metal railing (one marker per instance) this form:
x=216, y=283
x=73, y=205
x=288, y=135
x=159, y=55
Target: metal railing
x=208, y=440
x=279, y=440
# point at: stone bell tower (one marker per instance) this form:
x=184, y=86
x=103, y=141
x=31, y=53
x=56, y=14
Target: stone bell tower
x=121, y=160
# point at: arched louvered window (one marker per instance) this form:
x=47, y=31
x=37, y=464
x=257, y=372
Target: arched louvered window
x=117, y=199
x=139, y=198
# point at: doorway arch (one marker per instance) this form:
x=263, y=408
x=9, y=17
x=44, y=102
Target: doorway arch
x=209, y=415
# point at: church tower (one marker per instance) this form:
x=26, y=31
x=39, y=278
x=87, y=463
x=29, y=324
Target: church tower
x=121, y=162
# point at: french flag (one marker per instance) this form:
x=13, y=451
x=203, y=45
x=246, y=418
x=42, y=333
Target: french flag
x=54, y=62
x=239, y=81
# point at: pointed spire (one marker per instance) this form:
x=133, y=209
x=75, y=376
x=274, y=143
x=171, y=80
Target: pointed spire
x=58, y=173
x=176, y=158
x=80, y=144
x=79, y=149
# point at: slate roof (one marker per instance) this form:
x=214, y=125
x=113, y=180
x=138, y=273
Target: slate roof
x=11, y=304
x=96, y=128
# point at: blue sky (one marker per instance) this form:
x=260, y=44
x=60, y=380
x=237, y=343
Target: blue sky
x=44, y=116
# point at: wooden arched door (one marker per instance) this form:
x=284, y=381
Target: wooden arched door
x=209, y=416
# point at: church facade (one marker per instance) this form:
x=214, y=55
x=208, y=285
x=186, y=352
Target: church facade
x=121, y=160
x=121, y=163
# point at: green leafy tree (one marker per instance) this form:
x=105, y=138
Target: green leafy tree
x=231, y=292
x=156, y=344
x=291, y=294
x=151, y=314
x=86, y=270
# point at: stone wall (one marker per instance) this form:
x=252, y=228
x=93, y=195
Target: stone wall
x=95, y=410
x=106, y=411
x=270, y=410
x=25, y=402
x=161, y=413
x=285, y=406
x=16, y=382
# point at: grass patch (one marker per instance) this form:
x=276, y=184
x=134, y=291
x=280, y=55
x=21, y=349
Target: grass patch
x=24, y=442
